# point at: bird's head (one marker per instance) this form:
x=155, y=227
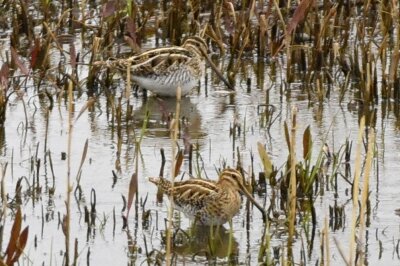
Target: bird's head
x=233, y=178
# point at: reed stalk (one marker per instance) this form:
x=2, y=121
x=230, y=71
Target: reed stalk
x=265, y=246
x=46, y=135
x=326, y=243
x=365, y=191
x=4, y=204
x=69, y=188
x=128, y=82
x=136, y=184
x=357, y=173
x=292, y=185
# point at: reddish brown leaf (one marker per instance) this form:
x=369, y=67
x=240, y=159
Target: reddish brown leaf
x=307, y=142
x=132, y=43
x=18, y=62
x=109, y=9
x=299, y=15
x=132, y=192
x=35, y=53
x=23, y=238
x=131, y=28
x=72, y=53
x=4, y=72
x=64, y=225
x=12, y=243
x=178, y=162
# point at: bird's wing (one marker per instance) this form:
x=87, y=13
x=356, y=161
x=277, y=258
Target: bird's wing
x=195, y=192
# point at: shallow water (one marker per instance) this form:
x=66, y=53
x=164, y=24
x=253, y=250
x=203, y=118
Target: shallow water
x=210, y=120
x=211, y=112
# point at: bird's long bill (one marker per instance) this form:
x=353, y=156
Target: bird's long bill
x=216, y=70
x=250, y=197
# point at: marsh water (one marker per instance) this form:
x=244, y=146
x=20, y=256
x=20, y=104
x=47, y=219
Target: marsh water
x=224, y=128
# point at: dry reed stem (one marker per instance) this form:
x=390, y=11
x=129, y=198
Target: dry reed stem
x=292, y=185
x=341, y=251
x=326, y=240
x=137, y=153
x=128, y=81
x=357, y=172
x=278, y=10
x=83, y=158
x=365, y=191
x=46, y=135
x=68, y=202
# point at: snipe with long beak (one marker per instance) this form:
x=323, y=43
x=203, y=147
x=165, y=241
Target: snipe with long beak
x=162, y=70
x=209, y=202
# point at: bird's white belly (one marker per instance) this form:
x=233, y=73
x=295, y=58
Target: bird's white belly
x=165, y=88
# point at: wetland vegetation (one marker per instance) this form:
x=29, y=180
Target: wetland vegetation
x=303, y=100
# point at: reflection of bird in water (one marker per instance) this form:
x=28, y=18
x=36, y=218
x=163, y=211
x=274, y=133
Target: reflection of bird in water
x=161, y=111
x=205, y=241
x=208, y=202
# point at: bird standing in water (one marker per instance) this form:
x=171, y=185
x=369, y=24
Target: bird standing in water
x=162, y=70
x=209, y=202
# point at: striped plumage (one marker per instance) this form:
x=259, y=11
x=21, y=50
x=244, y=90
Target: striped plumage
x=208, y=202
x=162, y=70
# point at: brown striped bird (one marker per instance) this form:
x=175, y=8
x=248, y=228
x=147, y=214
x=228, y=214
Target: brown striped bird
x=209, y=202
x=163, y=70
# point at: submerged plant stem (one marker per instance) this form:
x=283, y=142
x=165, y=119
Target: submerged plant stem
x=174, y=136
x=68, y=202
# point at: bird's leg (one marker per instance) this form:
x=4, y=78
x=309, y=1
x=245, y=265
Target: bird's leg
x=230, y=238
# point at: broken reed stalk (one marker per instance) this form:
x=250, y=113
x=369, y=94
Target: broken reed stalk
x=357, y=173
x=136, y=184
x=341, y=250
x=292, y=184
x=128, y=82
x=46, y=135
x=26, y=116
x=174, y=136
x=365, y=191
x=325, y=243
x=68, y=203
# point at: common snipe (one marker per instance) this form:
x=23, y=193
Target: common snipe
x=162, y=70
x=208, y=202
